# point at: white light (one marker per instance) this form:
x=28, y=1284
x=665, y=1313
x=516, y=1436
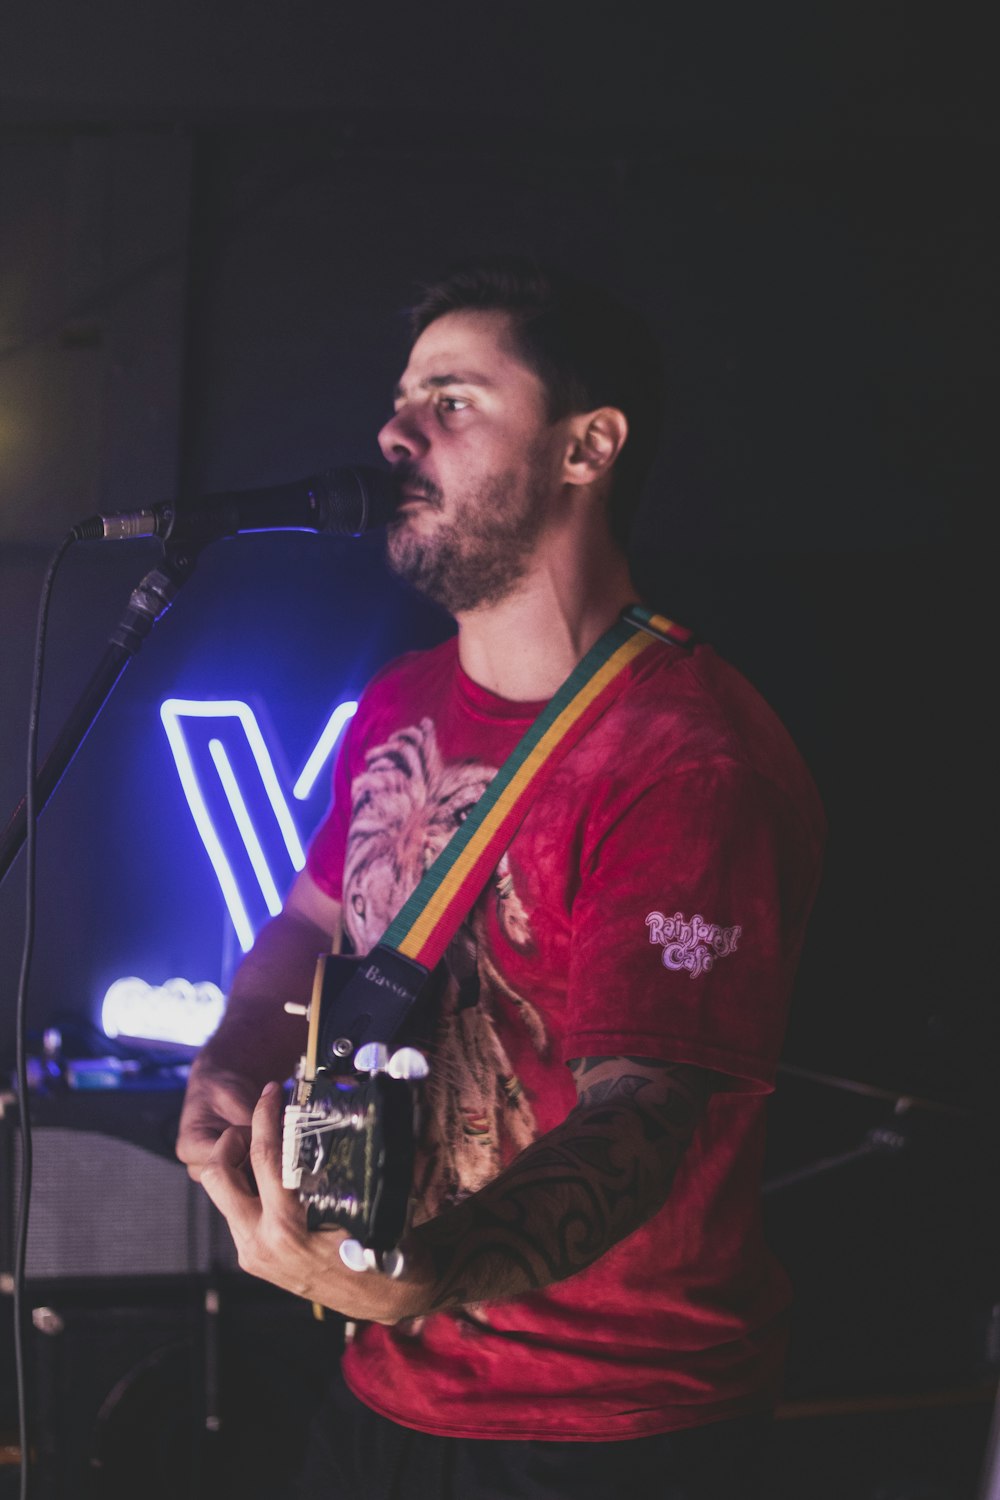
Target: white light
x=223, y=708
x=247, y=831
x=170, y=714
x=178, y=1012
x=173, y=712
x=324, y=749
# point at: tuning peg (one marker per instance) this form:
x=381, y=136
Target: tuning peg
x=392, y=1263
x=357, y=1258
x=353, y=1254
x=408, y=1063
x=372, y=1058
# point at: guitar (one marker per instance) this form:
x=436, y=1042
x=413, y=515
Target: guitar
x=351, y=1129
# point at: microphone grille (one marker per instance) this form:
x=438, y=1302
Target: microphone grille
x=355, y=500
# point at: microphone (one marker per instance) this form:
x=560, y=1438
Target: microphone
x=342, y=502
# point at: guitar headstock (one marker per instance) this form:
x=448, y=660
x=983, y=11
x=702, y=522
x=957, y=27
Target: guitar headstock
x=348, y=1151
x=350, y=1134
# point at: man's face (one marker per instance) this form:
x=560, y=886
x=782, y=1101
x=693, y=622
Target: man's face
x=478, y=459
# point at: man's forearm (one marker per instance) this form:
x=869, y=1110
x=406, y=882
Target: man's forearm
x=257, y=1038
x=567, y=1199
x=572, y=1194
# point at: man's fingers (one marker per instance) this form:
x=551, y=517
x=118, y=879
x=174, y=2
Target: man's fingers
x=232, y=1149
x=265, y=1147
x=213, y=1103
x=196, y=1153
x=196, y=1141
x=259, y=1220
x=225, y=1180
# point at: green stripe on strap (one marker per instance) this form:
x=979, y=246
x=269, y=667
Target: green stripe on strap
x=426, y=923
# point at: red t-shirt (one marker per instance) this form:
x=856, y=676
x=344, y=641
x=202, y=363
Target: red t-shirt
x=652, y=903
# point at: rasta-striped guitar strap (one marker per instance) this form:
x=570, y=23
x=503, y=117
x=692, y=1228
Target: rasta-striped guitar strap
x=390, y=978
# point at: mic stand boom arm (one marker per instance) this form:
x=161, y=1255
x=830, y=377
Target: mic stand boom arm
x=148, y=602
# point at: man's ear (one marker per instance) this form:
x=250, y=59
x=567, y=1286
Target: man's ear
x=595, y=441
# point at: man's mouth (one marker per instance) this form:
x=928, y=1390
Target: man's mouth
x=409, y=498
x=415, y=490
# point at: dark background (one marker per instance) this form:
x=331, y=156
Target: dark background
x=211, y=220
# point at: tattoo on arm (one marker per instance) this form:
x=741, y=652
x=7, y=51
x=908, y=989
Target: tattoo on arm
x=575, y=1191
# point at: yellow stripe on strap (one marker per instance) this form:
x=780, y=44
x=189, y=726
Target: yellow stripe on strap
x=412, y=943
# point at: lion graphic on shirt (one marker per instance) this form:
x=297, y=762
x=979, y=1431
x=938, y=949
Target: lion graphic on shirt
x=405, y=806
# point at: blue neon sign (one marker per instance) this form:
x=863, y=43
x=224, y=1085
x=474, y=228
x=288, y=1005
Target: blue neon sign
x=250, y=830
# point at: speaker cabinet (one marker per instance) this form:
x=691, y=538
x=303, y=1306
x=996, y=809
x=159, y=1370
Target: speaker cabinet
x=156, y=1367
x=117, y=1376
x=173, y=1387
x=109, y=1198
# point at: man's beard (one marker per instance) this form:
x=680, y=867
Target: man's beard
x=480, y=556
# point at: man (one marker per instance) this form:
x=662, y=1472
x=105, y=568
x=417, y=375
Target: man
x=587, y=1299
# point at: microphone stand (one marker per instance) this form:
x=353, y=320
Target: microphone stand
x=883, y=1139
x=149, y=601
x=887, y=1140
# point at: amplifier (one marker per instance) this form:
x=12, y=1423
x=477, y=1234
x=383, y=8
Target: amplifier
x=166, y=1387
x=109, y=1199
x=156, y=1366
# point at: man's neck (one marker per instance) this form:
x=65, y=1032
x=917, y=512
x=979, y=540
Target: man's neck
x=525, y=647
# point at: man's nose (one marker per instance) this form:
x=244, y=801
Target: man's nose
x=402, y=437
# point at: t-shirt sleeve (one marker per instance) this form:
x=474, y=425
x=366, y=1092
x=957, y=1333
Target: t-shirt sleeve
x=688, y=923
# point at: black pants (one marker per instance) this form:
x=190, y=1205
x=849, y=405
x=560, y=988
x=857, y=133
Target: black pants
x=354, y=1454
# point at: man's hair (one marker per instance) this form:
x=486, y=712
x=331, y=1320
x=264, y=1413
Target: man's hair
x=588, y=349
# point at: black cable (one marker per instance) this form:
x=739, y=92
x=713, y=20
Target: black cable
x=20, y=1025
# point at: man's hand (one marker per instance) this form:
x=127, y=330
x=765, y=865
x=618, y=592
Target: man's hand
x=269, y=1229
x=568, y=1198
x=257, y=1038
x=215, y=1101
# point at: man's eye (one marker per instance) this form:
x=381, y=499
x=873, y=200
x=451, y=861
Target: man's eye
x=453, y=403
